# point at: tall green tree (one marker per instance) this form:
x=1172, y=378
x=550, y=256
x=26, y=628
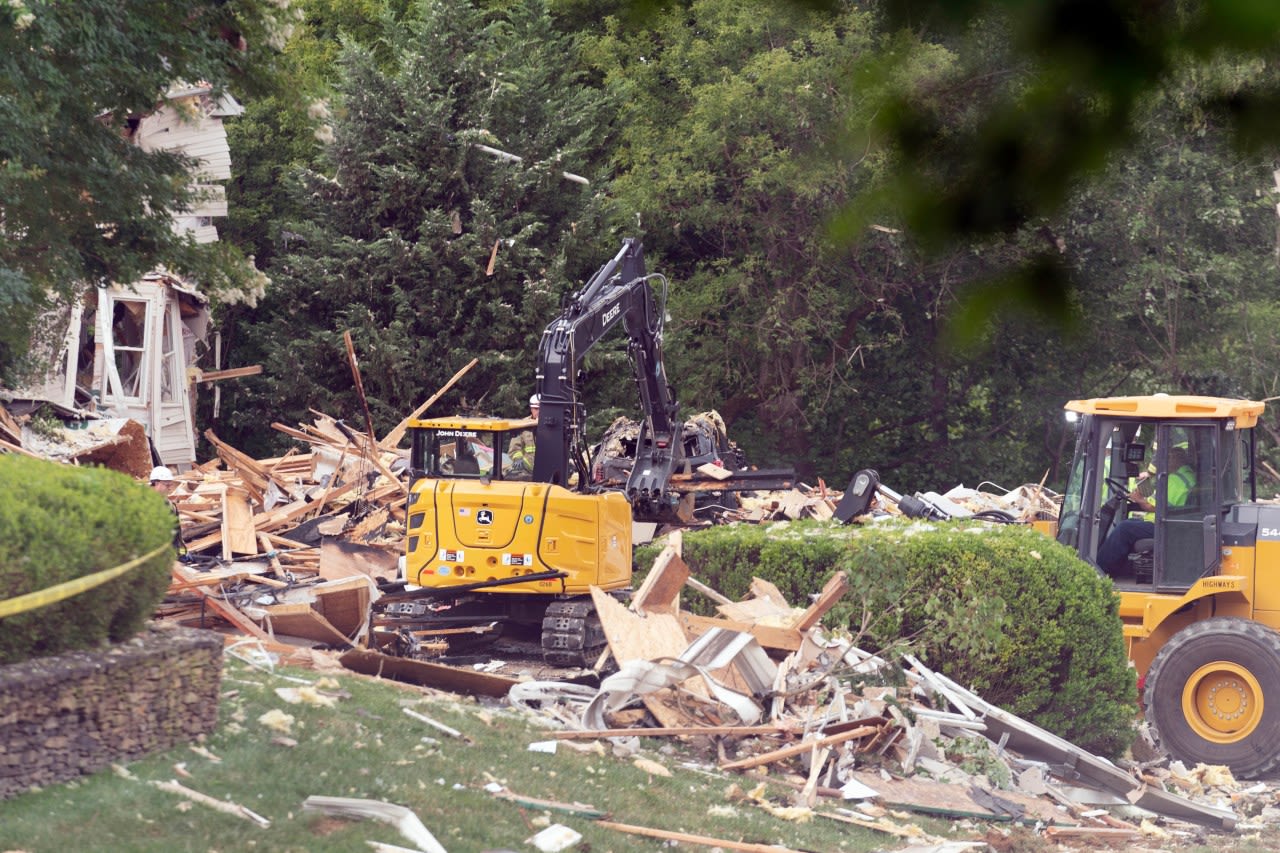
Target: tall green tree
x=1175, y=244
x=80, y=204
x=723, y=159
x=1072, y=94
x=427, y=247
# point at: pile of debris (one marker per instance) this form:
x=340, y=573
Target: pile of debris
x=293, y=545
x=763, y=691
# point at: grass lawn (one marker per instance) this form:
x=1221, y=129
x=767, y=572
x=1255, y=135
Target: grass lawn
x=364, y=745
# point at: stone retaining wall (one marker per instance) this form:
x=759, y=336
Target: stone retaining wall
x=65, y=716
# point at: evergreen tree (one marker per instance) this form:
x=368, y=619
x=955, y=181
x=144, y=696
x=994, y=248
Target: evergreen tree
x=424, y=245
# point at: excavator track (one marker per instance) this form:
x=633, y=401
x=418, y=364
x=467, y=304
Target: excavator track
x=571, y=633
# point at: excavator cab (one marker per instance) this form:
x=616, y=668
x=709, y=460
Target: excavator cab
x=469, y=449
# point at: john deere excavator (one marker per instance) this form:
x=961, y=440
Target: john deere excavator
x=1200, y=595
x=491, y=544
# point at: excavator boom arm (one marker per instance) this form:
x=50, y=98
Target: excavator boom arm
x=619, y=292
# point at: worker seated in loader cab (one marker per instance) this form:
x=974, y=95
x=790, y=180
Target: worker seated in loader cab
x=1114, y=552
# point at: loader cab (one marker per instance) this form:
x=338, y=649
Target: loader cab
x=1189, y=458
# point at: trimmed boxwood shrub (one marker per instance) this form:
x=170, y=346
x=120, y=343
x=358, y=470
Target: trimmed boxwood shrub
x=999, y=608
x=61, y=522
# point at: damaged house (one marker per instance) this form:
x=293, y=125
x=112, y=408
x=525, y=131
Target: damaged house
x=129, y=351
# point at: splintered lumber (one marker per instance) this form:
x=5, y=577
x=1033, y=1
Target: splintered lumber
x=14, y=448
x=694, y=583
x=303, y=436
x=174, y=787
x=10, y=427
x=578, y=809
x=800, y=748
x=832, y=592
x=1090, y=833
x=785, y=639
x=705, y=840
x=393, y=438
x=224, y=610
x=355, y=375
x=229, y=373
x=675, y=731
x=255, y=477
x=661, y=587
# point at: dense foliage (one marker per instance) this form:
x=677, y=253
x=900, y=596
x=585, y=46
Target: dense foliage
x=1003, y=610
x=80, y=204
x=429, y=248
x=832, y=191
x=60, y=522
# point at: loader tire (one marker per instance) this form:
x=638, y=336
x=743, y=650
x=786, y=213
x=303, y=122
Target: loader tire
x=1212, y=696
x=571, y=633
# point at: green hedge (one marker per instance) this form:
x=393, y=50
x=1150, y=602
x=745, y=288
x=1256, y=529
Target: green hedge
x=61, y=522
x=1001, y=609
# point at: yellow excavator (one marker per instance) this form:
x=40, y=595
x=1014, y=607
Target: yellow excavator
x=493, y=543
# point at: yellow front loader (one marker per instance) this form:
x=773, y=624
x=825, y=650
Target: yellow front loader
x=1198, y=575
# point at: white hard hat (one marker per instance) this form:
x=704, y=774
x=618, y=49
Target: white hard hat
x=535, y=400
x=160, y=473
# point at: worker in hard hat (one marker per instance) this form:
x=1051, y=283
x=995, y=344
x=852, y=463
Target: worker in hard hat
x=162, y=481
x=521, y=448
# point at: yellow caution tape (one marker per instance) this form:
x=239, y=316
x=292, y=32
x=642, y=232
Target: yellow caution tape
x=59, y=592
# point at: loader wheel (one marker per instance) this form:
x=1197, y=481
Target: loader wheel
x=1205, y=696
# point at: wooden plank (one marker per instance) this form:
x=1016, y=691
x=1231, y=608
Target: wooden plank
x=694, y=583
x=230, y=373
x=427, y=674
x=784, y=639
x=800, y=748
x=660, y=591
x=238, y=534
x=832, y=592
x=393, y=438
x=676, y=731
x=704, y=840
